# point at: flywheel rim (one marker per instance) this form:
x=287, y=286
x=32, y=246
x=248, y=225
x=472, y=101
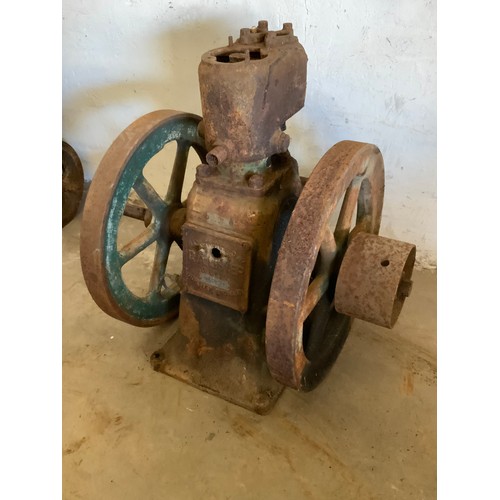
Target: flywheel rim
x=119, y=172
x=357, y=170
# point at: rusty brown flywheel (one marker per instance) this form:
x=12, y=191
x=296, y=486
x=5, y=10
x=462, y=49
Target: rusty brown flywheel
x=304, y=331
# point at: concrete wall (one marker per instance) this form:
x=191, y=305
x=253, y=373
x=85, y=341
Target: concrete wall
x=371, y=78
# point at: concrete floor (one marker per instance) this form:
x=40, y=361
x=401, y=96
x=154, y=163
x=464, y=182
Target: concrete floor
x=368, y=431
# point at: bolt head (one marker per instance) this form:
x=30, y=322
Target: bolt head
x=256, y=181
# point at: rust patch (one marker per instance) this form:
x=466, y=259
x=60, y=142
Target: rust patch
x=407, y=385
x=75, y=446
x=210, y=436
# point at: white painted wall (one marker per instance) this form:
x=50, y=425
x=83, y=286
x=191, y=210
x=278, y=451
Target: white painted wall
x=371, y=78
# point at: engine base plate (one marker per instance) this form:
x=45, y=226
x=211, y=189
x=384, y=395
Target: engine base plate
x=224, y=371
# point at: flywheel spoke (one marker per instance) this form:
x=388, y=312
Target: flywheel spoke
x=349, y=204
x=138, y=244
x=174, y=192
x=150, y=197
x=159, y=266
x=315, y=291
x=320, y=283
x=365, y=210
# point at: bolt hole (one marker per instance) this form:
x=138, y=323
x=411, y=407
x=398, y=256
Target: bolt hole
x=156, y=355
x=216, y=253
x=384, y=263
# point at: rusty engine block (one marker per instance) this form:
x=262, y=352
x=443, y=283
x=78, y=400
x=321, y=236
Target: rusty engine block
x=268, y=289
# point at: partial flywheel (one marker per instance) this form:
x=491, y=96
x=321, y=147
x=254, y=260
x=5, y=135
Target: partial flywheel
x=307, y=318
x=119, y=174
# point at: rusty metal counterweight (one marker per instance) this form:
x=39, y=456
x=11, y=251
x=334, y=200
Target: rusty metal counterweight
x=268, y=290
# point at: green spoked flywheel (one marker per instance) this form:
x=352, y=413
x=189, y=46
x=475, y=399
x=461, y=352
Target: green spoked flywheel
x=120, y=173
